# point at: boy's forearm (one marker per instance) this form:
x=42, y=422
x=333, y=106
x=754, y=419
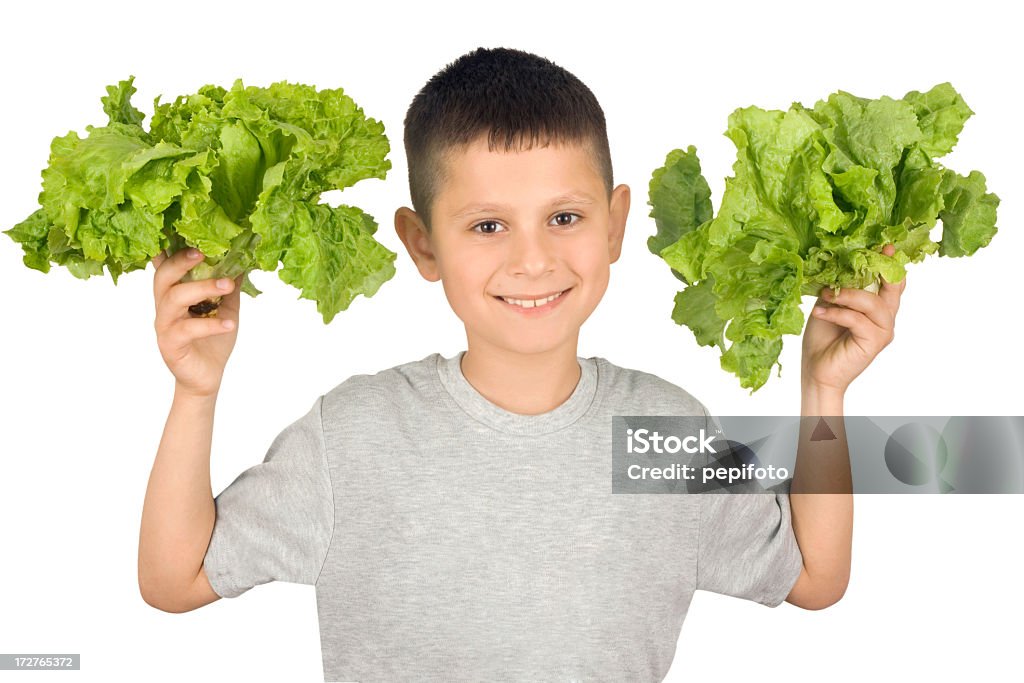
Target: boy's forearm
x=178, y=512
x=823, y=522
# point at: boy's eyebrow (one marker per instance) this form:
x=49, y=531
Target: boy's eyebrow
x=567, y=198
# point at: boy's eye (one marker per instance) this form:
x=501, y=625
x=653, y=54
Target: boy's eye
x=565, y=218
x=487, y=227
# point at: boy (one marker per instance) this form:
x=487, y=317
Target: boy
x=455, y=514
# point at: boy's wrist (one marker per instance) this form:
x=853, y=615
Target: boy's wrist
x=821, y=399
x=184, y=393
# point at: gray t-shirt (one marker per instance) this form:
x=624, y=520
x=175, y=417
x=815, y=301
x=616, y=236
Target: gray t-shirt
x=450, y=539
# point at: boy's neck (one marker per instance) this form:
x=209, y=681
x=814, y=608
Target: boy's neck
x=526, y=384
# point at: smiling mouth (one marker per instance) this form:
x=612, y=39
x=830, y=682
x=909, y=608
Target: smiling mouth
x=533, y=303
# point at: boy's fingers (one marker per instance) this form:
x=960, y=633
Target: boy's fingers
x=171, y=270
x=158, y=259
x=188, y=294
x=187, y=331
x=174, y=305
x=230, y=303
x=891, y=292
x=860, y=326
x=871, y=305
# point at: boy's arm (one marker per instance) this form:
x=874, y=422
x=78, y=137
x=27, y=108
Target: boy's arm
x=843, y=336
x=178, y=513
x=822, y=522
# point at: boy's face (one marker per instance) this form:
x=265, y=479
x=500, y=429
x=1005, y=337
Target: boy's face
x=520, y=225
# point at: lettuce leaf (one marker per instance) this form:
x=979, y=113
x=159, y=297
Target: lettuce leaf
x=236, y=173
x=814, y=197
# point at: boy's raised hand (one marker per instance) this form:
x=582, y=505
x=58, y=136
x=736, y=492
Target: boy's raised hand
x=195, y=350
x=845, y=333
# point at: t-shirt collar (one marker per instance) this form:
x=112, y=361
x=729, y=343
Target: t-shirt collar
x=449, y=372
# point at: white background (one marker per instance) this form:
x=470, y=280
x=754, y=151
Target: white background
x=935, y=591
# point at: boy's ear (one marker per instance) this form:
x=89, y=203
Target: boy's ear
x=413, y=233
x=618, y=211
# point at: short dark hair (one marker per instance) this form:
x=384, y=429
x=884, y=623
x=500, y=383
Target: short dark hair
x=516, y=98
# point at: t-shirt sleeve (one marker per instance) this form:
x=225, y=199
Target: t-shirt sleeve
x=275, y=520
x=746, y=545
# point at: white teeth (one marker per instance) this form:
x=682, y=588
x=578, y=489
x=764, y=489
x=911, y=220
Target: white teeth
x=532, y=302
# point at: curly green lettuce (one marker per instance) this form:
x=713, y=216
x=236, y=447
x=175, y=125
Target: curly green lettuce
x=815, y=196
x=236, y=173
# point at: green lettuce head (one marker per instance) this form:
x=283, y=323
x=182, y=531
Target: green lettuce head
x=815, y=196
x=236, y=173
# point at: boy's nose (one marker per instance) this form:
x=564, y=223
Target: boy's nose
x=531, y=252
